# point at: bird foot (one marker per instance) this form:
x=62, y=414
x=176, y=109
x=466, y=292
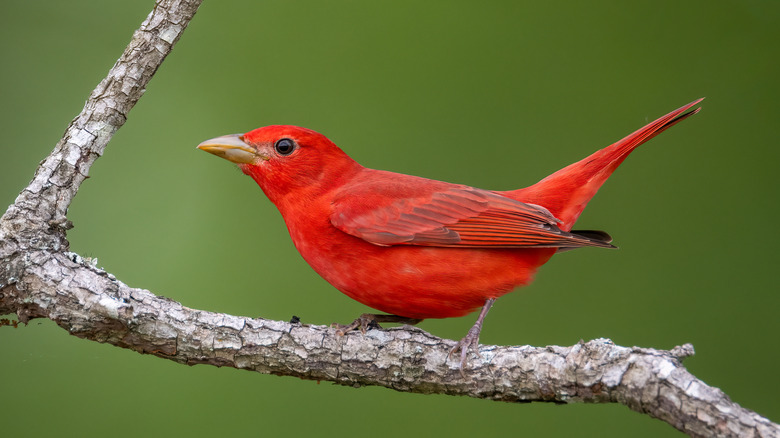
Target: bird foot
x=362, y=323
x=469, y=342
x=371, y=321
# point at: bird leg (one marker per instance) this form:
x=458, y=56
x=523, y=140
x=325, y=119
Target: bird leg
x=471, y=340
x=370, y=320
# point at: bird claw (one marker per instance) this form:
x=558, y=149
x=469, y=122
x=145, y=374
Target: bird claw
x=470, y=341
x=363, y=323
x=371, y=321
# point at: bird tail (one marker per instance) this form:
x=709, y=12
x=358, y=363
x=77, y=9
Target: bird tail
x=566, y=192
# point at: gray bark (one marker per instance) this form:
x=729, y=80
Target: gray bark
x=40, y=278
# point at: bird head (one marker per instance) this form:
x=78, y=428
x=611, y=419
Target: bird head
x=284, y=159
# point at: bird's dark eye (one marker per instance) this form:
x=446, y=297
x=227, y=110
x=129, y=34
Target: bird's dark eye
x=284, y=146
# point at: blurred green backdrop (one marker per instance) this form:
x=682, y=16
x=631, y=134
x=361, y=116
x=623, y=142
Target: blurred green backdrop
x=496, y=95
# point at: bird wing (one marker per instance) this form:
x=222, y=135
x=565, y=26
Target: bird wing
x=458, y=216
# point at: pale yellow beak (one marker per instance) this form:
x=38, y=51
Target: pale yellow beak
x=232, y=148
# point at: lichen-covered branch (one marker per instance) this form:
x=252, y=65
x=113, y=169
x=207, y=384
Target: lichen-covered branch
x=39, y=278
x=92, y=304
x=44, y=203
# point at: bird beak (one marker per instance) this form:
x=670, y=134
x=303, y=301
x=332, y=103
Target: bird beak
x=232, y=148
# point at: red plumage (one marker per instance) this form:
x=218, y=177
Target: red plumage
x=416, y=247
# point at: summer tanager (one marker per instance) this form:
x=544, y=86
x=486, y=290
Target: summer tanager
x=418, y=248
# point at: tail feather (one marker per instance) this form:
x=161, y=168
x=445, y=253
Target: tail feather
x=566, y=192
x=597, y=235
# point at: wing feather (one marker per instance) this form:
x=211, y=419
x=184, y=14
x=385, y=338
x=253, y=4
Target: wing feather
x=459, y=216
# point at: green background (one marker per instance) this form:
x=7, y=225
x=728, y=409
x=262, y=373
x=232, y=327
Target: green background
x=491, y=94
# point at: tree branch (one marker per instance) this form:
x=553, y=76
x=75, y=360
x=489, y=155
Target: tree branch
x=60, y=175
x=39, y=278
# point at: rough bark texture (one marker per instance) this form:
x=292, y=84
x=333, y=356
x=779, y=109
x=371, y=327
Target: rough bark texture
x=39, y=278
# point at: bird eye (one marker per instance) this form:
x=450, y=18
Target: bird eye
x=284, y=146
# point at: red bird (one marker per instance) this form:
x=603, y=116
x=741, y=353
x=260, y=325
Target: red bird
x=418, y=248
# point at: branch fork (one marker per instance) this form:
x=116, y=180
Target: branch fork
x=40, y=278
